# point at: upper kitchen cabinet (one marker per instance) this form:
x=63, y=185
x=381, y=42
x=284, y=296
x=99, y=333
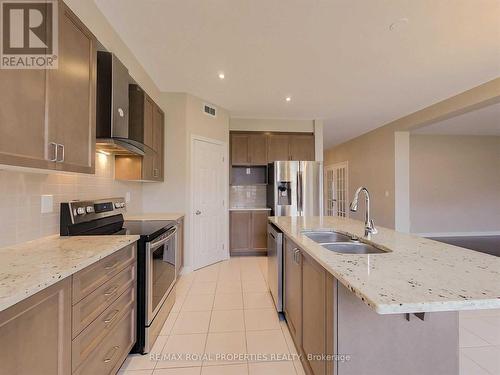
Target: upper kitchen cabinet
x=71, y=95
x=278, y=147
x=146, y=127
x=291, y=147
x=48, y=116
x=248, y=149
x=302, y=147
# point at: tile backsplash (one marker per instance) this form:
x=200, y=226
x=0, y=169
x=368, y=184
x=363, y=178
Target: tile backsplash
x=20, y=195
x=247, y=196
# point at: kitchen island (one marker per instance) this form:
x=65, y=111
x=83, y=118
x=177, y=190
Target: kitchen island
x=389, y=313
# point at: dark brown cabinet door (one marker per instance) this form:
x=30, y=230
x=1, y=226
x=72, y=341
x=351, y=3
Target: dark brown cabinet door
x=149, y=107
x=302, y=147
x=71, y=94
x=259, y=230
x=239, y=149
x=158, y=142
x=257, y=149
x=293, y=290
x=314, y=312
x=278, y=148
x=240, y=231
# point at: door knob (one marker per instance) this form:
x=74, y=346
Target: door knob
x=198, y=212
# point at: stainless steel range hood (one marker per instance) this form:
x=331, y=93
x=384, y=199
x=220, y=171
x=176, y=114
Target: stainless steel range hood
x=112, y=109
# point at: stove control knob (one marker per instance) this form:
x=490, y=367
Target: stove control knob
x=122, y=205
x=89, y=209
x=80, y=210
x=117, y=204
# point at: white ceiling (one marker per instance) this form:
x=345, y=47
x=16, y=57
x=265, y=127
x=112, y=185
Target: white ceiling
x=337, y=59
x=484, y=121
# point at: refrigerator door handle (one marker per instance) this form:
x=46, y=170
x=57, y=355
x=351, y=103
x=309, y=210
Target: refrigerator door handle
x=300, y=202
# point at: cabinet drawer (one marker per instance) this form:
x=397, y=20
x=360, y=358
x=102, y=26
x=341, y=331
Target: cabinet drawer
x=92, y=277
x=108, y=355
x=89, y=308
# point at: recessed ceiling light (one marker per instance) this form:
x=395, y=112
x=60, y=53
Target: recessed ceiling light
x=221, y=75
x=288, y=99
x=398, y=24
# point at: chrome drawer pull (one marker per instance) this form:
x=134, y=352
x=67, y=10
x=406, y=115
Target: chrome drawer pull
x=107, y=268
x=112, y=351
x=111, y=291
x=111, y=317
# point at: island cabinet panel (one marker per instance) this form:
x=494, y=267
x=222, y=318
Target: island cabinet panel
x=313, y=313
x=293, y=290
x=302, y=147
x=248, y=232
x=390, y=344
x=36, y=333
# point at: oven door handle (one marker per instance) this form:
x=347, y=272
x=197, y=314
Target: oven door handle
x=163, y=241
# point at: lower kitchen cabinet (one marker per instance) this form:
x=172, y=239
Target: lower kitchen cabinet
x=248, y=232
x=37, y=333
x=84, y=324
x=308, y=310
x=293, y=290
x=313, y=313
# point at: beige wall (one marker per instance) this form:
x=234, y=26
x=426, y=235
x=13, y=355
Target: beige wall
x=371, y=164
x=454, y=184
x=184, y=119
x=20, y=192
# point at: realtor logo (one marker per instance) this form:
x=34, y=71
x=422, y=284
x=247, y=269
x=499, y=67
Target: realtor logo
x=29, y=34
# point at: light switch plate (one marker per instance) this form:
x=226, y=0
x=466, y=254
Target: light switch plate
x=47, y=204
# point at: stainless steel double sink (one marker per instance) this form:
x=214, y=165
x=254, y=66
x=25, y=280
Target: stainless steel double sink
x=341, y=243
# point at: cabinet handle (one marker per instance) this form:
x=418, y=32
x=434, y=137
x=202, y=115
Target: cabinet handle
x=107, y=268
x=296, y=254
x=111, y=317
x=111, y=353
x=111, y=291
x=54, y=151
x=61, y=147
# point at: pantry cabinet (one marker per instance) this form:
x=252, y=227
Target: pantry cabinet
x=48, y=116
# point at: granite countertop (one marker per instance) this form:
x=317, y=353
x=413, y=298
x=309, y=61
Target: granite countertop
x=168, y=216
x=30, y=267
x=249, y=209
x=418, y=275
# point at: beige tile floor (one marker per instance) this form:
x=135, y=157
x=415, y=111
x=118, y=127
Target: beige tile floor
x=226, y=308
x=223, y=308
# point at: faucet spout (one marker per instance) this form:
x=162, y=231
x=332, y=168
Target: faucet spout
x=369, y=224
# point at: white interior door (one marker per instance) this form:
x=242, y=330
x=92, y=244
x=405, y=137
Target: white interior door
x=208, y=199
x=337, y=190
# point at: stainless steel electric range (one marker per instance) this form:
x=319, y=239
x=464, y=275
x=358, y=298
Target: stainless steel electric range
x=156, y=250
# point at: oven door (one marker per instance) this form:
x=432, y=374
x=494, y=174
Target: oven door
x=160, y=272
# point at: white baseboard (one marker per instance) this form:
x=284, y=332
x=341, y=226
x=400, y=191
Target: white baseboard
x=458, y=234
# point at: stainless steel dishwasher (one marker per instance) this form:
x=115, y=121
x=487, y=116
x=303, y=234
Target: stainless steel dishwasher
x=275, y=264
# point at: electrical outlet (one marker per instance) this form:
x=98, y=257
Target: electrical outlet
x=47, y=204
x=127, y=197
x=249, y=171
x=249, y=194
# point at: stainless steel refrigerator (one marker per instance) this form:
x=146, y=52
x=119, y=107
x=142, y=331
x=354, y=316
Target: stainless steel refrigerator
x=295, y=188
